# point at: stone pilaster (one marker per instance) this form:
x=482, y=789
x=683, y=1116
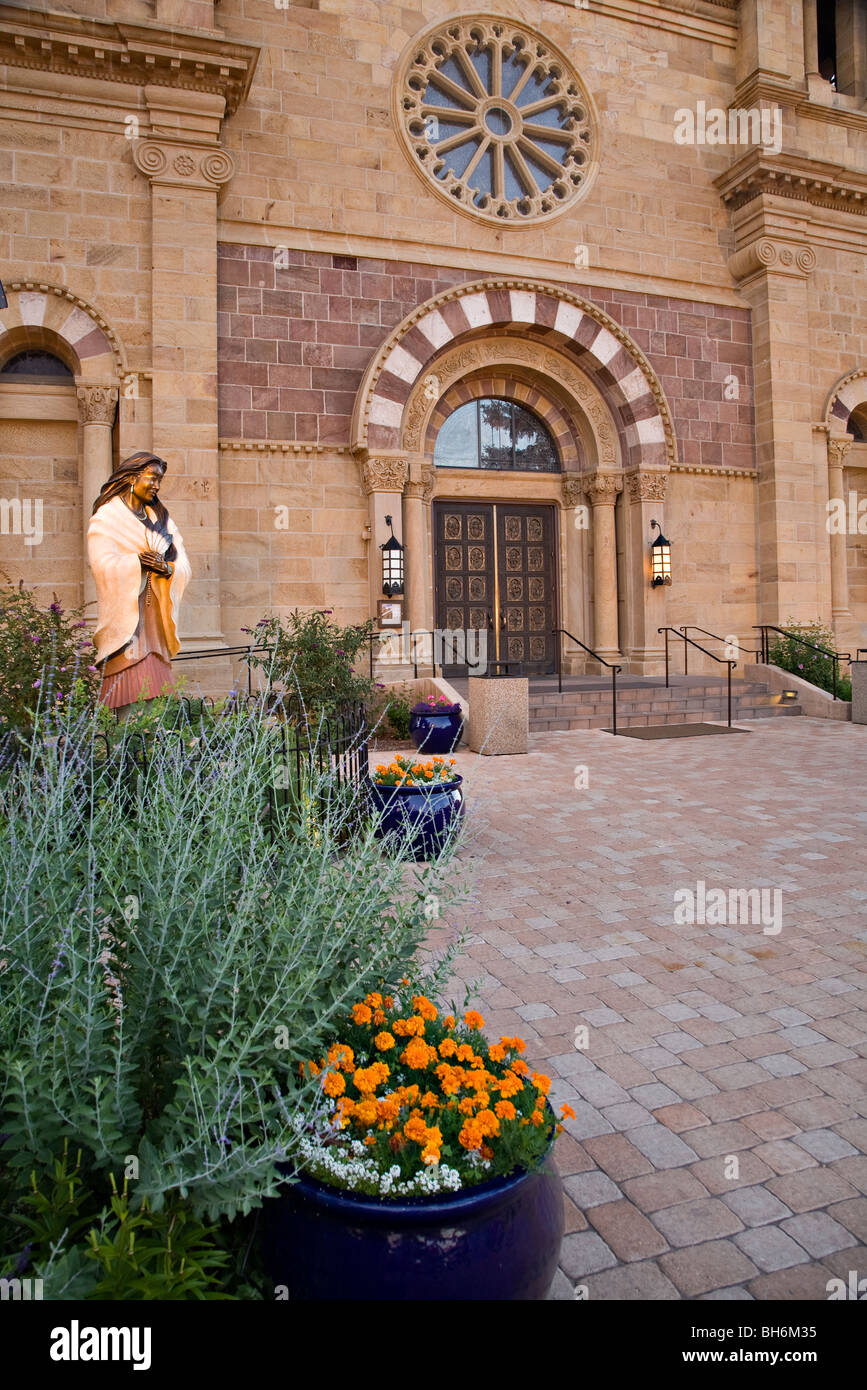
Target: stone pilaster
x=772, y=271
x=186, y=167
x=97, y=406
x=645, y=605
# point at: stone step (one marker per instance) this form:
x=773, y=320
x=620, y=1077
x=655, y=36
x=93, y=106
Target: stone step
x=560, y=722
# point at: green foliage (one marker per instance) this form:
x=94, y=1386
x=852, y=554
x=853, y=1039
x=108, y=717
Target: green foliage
x=46, y=657
x=815, y=667
x=126, y=1252
x=322, y=663
x=397, y=712
x=166, y=961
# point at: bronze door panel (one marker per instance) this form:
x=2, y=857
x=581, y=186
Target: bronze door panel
x=464, y=560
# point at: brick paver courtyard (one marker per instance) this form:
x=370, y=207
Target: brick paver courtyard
x=706, y=1043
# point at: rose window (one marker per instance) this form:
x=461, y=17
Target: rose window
x=498, y=120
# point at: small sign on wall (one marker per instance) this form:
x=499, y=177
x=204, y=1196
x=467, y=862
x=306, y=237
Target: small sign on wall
x=389, y=613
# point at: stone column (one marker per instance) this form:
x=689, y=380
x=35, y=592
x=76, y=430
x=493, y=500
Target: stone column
x=384, y=479
x=811, y=40
x=96, y=408
x=576, y=530
x=417, y=566
x=838, y=448
x=646, y=605
x=602, y=489
x=186, y=167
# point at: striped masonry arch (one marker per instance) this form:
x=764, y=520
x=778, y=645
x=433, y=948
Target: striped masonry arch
x=550, y=315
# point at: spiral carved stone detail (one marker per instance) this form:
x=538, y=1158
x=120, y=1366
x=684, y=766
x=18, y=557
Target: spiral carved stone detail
x=218, y=166
x=150, y=158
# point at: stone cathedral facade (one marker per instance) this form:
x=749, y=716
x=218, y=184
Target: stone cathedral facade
x=525, y=278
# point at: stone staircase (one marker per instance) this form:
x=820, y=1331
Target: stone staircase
x=585, y=703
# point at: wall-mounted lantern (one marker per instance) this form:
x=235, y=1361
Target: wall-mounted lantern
x=392, y=564
x=660, y=558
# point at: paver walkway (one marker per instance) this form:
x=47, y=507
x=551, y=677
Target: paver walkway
x=721, y=1099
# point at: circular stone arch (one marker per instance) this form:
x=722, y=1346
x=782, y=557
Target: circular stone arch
x=530, y=373
x=846, y=397
x=539, y=312
x=39, y=315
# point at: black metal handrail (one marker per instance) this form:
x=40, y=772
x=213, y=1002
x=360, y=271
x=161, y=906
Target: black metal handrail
x=211, y=652
x=693, y=627
x=721, y=660
x=836, y=657
x=561, y=632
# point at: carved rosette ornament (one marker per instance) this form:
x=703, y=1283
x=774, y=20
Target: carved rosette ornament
x=602, y=488
x=384, y=475
x=647, y=487
x=97, y=404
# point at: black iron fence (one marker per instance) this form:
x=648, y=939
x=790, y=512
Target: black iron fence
x=307, y=760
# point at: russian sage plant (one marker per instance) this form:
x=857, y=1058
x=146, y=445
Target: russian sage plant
x=169, y=954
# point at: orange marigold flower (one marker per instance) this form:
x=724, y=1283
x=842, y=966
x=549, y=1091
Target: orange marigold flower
x=383, y=1042
x=361, y=1013
x=567, y=1112
x=505, y=1110
x=510, y=1085
x=424, y=1007
x=417, y=1054
x=334, y=1084
x=366, y=1079
x=314, y=1070
x=341, y=1056
x=519, y=1067
x=379, y=1017
x=488, y=1122
x=467, y=1106
x=415, y=1129
x=465, y=1053
x=514, y=1044
x=429, y=1101
x=371, y=1139
x=429, y=1155
x=365, y=1113
x=374, y=1000
x=541, y=1082
x=496, y=1053
x=473, y=1019
x=537, y=1117
x=448, y=1047
x=470, y=1136
x=388, y=1001
x=449, y=1020
x=487, y=1151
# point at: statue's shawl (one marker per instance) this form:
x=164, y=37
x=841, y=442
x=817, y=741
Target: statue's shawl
x=115, y=540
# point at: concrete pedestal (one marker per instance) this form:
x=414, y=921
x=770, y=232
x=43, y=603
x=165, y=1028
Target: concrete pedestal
x=859, y=692
x=499, y=714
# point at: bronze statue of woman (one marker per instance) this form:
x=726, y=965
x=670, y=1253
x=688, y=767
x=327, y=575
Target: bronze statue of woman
x=141, y=570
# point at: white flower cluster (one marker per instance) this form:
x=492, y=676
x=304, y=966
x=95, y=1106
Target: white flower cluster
x=348, y=1167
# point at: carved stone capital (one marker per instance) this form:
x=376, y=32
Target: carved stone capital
x=786, y=258
x=602, y=488
x=97, y=404
x=384, y=474
x=838, y=448
x=183, y=165
x=647, y=487
x=573, y=489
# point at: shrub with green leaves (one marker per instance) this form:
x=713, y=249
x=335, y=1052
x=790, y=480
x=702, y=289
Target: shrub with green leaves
x=46, y=657
x=397, y=712
x=166, y=960
x=322, y=663
x=813, y=666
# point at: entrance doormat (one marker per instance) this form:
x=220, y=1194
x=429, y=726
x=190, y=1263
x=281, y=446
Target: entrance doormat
x=675, y=730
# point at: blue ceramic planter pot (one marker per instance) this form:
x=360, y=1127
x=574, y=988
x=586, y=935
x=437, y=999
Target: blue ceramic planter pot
x=421, y=817
x=500, y=1240
x=436, y=733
